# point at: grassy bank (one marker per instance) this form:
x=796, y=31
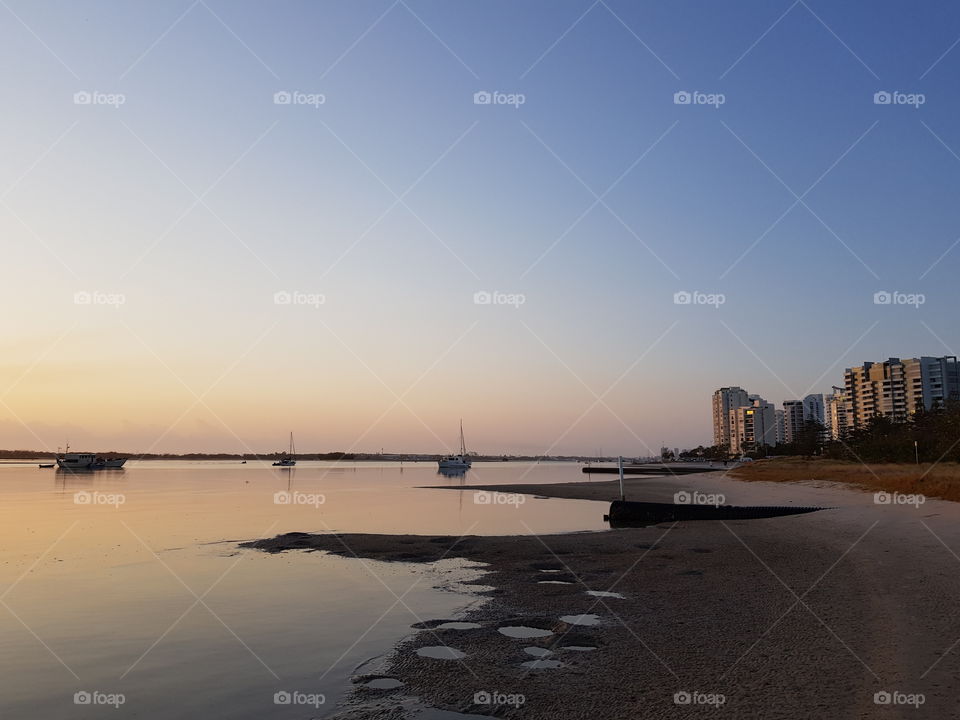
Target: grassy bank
x=940, y=480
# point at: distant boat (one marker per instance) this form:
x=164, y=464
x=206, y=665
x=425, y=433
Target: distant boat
x=288, y=459
x=86, y=461
x=46, y=465
x=456, y=462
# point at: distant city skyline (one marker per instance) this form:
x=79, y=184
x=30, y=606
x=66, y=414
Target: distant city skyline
x=566, y=223
x=894, y=388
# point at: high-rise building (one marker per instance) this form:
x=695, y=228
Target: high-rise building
x=724, y=400
x=792, y=420
x=836, y=414
x=753, y=427
x=813, y=409
x=899, y=388
x=778, y=414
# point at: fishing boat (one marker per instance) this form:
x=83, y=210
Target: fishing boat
x=457, y=462
x=288, y=459
x=86, y=461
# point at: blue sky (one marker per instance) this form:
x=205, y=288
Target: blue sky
x=304, y=199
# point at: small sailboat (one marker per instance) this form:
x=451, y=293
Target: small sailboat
x=288, y=460
x=457, y=462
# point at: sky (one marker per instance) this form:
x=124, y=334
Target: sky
x=223, y=221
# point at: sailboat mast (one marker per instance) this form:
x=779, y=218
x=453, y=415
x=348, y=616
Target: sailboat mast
x=463, y=447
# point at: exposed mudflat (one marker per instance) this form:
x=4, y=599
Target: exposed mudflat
x=793, y=617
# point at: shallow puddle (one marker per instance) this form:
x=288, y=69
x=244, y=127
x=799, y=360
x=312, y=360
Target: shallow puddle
x=441, y=652
x=384, y=684
x=579, y=648
x=522, y=631
x=542, y=664
x=537, y=651
x=581, y=619
x=604, y=593
x=554, y=582
x=458, y=626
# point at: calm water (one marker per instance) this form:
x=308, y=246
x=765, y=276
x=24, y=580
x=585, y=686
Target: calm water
x=130, y=582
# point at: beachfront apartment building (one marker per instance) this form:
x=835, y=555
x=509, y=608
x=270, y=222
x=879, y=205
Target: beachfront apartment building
x=753, y=426
x=792, y=420
x=898, y=388
x=724, y=400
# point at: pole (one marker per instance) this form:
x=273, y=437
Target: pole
x=620, y=465
x=916, y=451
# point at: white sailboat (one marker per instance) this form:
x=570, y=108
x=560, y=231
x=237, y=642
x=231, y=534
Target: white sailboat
x=288, y=460
x=457, y=462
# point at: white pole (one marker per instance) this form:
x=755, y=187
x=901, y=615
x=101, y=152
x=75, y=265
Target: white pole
x=620, y=465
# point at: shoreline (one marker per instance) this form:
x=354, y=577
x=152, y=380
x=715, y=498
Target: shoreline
x=708, y=607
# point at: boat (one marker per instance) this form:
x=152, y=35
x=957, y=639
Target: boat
x=86, y=461
x=46, y=465
x=457, y=462
x=288, y=459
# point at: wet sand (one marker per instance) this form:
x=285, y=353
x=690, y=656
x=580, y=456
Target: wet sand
x=792, y=617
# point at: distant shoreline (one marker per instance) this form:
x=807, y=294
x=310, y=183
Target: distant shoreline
x=21, y=455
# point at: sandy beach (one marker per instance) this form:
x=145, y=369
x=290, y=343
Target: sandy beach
x=792, y=617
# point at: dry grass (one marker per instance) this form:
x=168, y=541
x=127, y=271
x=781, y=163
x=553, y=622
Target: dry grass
x=941, y=480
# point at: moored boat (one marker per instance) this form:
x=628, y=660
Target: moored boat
x=86, y=461
x=288, y=460
x=457, y=462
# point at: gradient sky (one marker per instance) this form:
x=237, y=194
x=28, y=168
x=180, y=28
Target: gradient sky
x=398, y=199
